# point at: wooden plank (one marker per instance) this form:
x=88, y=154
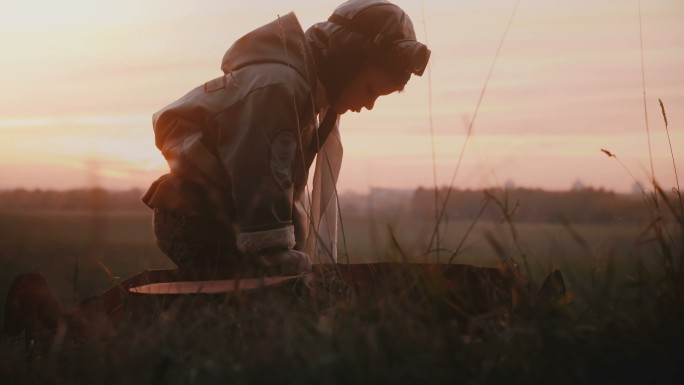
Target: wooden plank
x=212, y=286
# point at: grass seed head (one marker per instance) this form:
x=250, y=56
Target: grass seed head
x=610, y=154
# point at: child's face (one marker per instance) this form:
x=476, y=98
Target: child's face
x=364, y=89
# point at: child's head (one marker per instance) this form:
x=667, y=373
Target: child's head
x=367, y=44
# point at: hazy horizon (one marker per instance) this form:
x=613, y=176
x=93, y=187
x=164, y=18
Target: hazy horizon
x=81, y=80
x=578, y=185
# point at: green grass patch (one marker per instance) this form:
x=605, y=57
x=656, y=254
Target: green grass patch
x=621, y=322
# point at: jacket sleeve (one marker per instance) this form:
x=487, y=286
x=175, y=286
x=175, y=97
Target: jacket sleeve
x=259, y=154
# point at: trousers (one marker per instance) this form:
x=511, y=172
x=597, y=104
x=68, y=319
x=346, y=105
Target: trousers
x=193, y=241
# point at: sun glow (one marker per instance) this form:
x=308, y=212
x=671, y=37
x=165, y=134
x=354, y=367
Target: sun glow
x=81, y=80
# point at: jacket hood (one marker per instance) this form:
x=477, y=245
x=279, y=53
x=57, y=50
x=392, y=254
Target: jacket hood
x=280, y=41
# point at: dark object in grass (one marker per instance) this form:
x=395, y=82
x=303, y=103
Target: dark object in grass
x=552, y=290
x=32, y=308
x=453, y=292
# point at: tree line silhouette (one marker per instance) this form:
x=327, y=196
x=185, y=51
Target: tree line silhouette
x=586, y=205
x=75, y=199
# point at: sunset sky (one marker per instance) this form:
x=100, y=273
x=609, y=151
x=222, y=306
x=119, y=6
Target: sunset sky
x=80, y=80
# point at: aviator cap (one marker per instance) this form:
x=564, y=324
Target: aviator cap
x=366, y=32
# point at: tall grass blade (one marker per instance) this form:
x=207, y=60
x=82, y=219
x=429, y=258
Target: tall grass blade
x=339, y=212
x=634, y=179
x=456, y=251
x=678, y=191
x=508, y=219
x=432, y=131
x=643, y=87
x=470, y=126
x=395, y=243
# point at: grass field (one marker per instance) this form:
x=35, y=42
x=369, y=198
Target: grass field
x=72, y=247
x=622, y=324
x=68, y=247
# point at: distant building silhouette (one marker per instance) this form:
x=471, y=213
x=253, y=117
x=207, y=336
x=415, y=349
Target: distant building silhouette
x=578, y=185
x=510, y=184
x=638, y=188
x=377, y=200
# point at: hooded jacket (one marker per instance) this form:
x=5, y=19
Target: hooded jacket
x=239, y=146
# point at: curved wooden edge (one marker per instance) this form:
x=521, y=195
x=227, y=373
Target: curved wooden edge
x=212, y=286
x=361, y=275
